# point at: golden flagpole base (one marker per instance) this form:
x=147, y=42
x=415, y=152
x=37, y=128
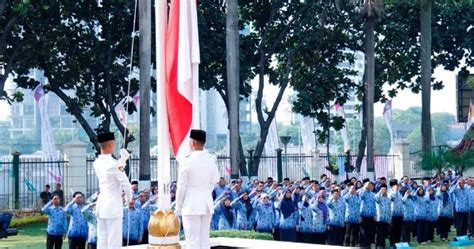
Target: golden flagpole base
x=163, y=230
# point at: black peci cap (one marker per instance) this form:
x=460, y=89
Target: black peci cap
x=198, y=135
x=106, y=136
x=393, y=182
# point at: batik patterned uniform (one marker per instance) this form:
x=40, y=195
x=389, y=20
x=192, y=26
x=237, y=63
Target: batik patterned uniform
x=57, y=222
x=91, y=219
x=265, y=216
x=353, y=207
x=78, y=227
x=245, y=214
x=306, y=217
x=225, y=222
x=461, y=208
x=337, y=211
x=132, y=228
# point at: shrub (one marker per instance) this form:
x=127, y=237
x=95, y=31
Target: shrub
x=239, y=234
x=19, y=222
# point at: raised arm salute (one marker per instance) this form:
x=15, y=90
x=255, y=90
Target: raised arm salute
x=112, y=183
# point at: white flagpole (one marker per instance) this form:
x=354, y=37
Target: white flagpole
x=164, y=197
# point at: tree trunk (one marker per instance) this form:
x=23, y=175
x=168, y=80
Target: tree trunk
x=233, y=92
x=369, y=89
x=77, y=112
x=363, y=137
x=425, y=56
x=144, y=8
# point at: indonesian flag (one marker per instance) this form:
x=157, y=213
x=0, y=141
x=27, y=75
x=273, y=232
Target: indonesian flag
x=387, y=114
x=182, y=62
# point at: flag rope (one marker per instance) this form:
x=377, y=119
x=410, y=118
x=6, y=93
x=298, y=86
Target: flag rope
x=125, y=125
x=127, y=104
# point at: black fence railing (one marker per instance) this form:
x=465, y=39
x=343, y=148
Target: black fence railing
x=33, y=175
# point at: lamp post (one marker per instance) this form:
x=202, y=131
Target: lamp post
x=285, y=140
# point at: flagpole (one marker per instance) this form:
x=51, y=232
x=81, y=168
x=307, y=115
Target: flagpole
x=164, y=197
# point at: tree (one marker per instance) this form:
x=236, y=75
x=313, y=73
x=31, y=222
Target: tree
x=425, y=40
x=13, y=48
x=233, y=92
x=460, y=162
x=434, y=159
x=371, y=11
x=83, y=54
x=212, y=70
x=282, y=29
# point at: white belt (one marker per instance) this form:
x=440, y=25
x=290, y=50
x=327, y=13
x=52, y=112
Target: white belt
x=168, y=240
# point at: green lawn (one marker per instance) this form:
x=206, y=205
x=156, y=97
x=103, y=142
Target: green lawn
x=34, y=236
x=29, y=236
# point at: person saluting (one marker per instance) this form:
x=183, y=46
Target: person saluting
x=112, y=183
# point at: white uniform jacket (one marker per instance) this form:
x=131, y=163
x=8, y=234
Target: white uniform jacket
x=112, y=181
x=197, y=177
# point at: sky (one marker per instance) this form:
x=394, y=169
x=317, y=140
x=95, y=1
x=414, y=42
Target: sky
x=441, y=101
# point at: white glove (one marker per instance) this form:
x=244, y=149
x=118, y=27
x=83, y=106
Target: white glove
x=124, y=155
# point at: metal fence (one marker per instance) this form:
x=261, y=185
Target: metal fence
x=296, y=166
x=384, y=165
x=32, y=177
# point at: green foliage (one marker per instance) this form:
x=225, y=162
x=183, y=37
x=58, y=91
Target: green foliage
x=460, y=162
x=434, y=160
x=241, y=234
x=238, y=234
x=29, y=220
x=83, y=51
x=289, y=130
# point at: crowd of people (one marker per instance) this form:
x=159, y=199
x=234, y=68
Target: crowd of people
x=82, y=226
x=352, y=213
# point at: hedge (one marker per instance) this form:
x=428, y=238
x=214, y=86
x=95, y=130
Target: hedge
x=19, y=222
x=239, y=234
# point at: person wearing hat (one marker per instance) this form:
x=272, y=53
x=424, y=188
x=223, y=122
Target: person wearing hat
x=397, y=212
x=352, y=216
x=197, y=177
x=445, y=210
x=408, y=214
x=135, y=191
x=383, y=216
x=337, y=211
x=112, y=183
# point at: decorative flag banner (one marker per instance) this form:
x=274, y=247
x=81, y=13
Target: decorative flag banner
x=29, y=184
x=387, y=114
x=48, y=148
x=272, y=139
x=136, y=99
x=307, y=134
x=344, y=133
x=182, y=68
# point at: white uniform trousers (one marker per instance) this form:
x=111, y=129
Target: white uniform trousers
x=196, y=230
x=109, y=233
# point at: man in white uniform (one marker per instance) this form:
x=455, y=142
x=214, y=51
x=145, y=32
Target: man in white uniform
x=196, y=180
x=112, y=183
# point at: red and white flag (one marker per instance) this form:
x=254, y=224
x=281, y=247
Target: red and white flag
x=182, y=69
x=387, y=114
